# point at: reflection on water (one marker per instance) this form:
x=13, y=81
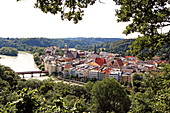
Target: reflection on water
x=23, y=62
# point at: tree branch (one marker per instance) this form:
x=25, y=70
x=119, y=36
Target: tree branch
x=101, y=2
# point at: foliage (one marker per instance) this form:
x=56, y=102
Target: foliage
x=155, y=94
x=109, y=96
x=148, y=17
x=37, y=61
x=137, y=79
x=8, y=51
x=35, y=96
x=59, y=52
x=120, y=46
x=152, y=94
x=32, y=44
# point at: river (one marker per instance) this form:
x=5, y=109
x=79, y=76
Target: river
x=23, y=62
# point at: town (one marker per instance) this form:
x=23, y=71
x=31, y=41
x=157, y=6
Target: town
x=85, y=65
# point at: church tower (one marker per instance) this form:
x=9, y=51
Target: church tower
x=65, y=49
x=95, y=50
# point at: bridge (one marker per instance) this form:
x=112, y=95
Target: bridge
x=31, y=72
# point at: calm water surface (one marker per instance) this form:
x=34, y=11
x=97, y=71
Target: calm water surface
x=23, y=62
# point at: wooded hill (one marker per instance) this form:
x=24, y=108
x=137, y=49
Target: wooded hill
x=120, y=46
x=27, y=43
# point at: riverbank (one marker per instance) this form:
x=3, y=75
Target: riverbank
x=23, y=62
x=8, y=51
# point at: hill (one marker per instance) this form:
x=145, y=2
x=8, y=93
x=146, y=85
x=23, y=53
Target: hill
x=27, y=43
x=120, y=46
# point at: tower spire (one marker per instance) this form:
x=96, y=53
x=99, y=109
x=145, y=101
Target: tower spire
x=95, y=50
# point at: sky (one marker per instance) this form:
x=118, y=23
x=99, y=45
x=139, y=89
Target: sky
x=22, y=20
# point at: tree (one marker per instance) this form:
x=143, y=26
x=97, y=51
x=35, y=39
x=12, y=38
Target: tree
x=155, y=98
x=148, y=17
x=9, y=51
x=69, y=9
x=137, y=81
x=109, y=96
x=28, y=102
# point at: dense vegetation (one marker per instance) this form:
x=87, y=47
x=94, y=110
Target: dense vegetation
x=149, y=94
x=120, y=46
x=8, y=51
x=27, y=44
x=35, y=96
x=123, y=47
x=149, y=18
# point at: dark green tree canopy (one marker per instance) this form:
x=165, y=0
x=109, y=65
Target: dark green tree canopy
x=148, y=17
x=109, y=96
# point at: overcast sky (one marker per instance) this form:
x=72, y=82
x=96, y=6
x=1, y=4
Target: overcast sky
x=21, y=19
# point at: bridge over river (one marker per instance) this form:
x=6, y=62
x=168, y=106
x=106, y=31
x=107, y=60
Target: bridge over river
x=31, y=72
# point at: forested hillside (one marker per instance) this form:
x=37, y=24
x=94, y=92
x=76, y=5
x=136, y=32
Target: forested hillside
x=120, y=46
x=27, y=43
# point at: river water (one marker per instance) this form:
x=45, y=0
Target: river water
x=23, y=62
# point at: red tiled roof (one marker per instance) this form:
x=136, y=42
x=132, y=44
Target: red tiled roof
x=130, y=57
x=107, y=71
x=110, y=55
x=120, y=62
x=68, y=66
x=100, y=61
x=68, y=59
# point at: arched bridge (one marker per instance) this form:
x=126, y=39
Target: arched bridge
x=31, y=72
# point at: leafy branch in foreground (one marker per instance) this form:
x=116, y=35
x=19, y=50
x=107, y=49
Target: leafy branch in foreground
x=148, y=17
x=69, y=9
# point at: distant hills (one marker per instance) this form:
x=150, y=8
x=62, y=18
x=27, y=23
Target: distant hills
x=95, y=39
x=119, y=46
x=114, y=45
x=27, y=43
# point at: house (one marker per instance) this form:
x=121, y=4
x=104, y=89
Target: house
x=80, y=73
x=71, y=55
x=93, y=74
x=70, y=70
x=52, y=68
x=115, y=74
x=130, y=57
x=86, y=73
x=104, y=73
x=128, y=70
x=51, y=50
x=66, y=69
x=125, y=78
x=118, y=63
x=100, y=61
